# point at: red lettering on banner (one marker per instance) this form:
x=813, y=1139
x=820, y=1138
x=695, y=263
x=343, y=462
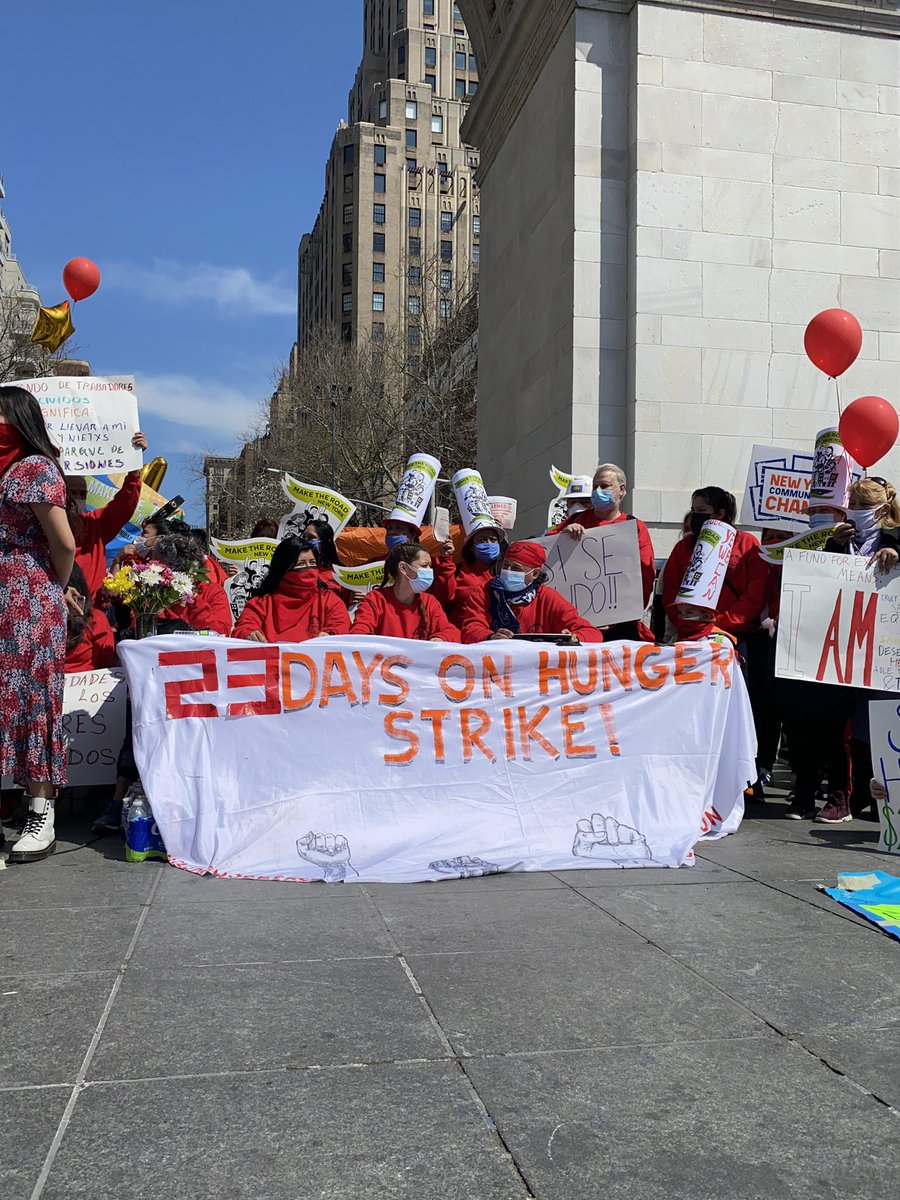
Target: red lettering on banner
x=366, y=673
x=401, y=735
x=684, y=662
x=289, y=660
x=176, y=689
x=437, y=717
x=831, y=644
x=472, y=738
x=490, y=675
x=334, y=661
x=268, y=681
x=529, y=732
x=862, y=633
x=389, y=675
x=622, y=671
x=559, y=672
x=453, y=691
x=572, y=728
x=712, y=819
x=658, y=672
x=588, y=688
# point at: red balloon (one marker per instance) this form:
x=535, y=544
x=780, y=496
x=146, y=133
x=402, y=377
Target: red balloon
x=869, y=428
x=833, y=339
x=81, y=278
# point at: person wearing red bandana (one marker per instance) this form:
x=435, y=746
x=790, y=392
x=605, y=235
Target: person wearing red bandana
x=292, y=604
x=520, y=601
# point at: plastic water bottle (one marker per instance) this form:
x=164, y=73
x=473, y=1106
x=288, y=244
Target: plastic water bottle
x=142, y=836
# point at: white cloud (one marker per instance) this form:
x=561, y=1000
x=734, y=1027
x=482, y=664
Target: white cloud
x=206, y=404
x=233, y=290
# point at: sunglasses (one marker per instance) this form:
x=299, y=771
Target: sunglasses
x=878, y=479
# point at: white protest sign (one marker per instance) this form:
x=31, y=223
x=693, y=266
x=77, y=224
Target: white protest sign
x=93, y=725
x=441, y=525
x=839, y=621
x=320, y=503
x=254, y=555
x=92, y=419
x=556, y=513
x=433, y=760
x=704, y=575
x=503, y=509
x=600, y=574
x=360, y=579
x=884, y=734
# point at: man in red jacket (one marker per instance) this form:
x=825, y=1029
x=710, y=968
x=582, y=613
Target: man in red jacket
x=103, y=524
x=609, y=490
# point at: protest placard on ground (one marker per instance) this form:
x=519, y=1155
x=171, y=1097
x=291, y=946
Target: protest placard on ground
x=434, y=760
x=93, y=725
x=92, y=419
x=600, y=574
x=839, y=621
x=884, y=735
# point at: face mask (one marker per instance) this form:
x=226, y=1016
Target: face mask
x=512, y=581
x=600, y=498
x=394, y=539
x=579, y=507
x=140, y=547
x=301, y=578
x=820, y=520
x=423, y=580
x=866, y=522
x=487, y=552
x=315, y=542
x=698, y=520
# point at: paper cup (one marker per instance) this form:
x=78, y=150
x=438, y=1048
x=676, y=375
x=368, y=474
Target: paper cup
x=503, y=510
x=705, y=574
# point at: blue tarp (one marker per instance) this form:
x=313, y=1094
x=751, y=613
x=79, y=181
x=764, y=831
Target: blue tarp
x=879, y=902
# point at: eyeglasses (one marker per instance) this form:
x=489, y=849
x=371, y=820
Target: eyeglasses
x=878, y=479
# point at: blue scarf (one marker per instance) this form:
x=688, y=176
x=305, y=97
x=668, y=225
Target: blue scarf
x=502, y=615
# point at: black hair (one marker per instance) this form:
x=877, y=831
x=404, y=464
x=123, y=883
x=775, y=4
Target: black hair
x=177, y=551
x=719, y=500
x=469, y=555
x=327, y=551
x=283, y=560
x=201, y=537
x=264, y=523
x=23, y=412
x=77, y=624
x=163, y=527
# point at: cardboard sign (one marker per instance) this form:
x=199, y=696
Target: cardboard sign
x=504, y=510
x=92, y=419
x=441, y=524
x=839, y=621
x=884, y=734
x=704, y=576
x=360, y=579
x=321, y=503
x=93, y=725
x=600, y=574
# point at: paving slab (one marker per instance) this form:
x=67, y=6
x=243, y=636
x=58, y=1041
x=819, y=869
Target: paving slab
x=48, y=1025
x=208, y=1019
x=509, y=1003
x=869, y=1057
x=503, y=881
x=701, y=872
x=508, y=920
x=809, y=892
x=65, y=941
x=756, y=1119
x=178, y=886
x=391, y=1133
x=28, y=1121
x=772, y=857
x=88, y=883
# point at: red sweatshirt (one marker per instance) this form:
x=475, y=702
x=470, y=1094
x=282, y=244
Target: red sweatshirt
x=96, y=649
x=744, y=592
x=590, y=520
x=380, y=612
x=209, y=610
x=470, y=578
x=215, y=570
x=548, y=612
x=296, y=611
x=101, y=526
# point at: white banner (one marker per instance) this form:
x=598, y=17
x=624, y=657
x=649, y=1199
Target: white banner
x=600, y=574
x=433, y=761
x=884, y=734
x=92, y=420
x=839, y=621
x=93, y=725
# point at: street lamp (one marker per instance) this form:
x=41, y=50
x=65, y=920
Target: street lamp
x=334, y=394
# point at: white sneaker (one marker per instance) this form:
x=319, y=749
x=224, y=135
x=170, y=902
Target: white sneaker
x=38, y=838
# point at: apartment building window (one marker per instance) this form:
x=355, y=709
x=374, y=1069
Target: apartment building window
x=378, y=272
x=445, y=309
x=380, y=156
x=412, y=364
x=446, y=221
x=473, y=66
x=378, y=302
x=347, y=302
x=412, y=110
x=460, y=89
x=437, y=123
x=414, y=305
x=446, y=280
x=457, y=15
x=415, y=247
x=401, y=53
x=476, y=253
x=378, y=243
x=460, y=60
x=415, y=217
x=446, y=251
x=348, y=156
x=473, y=86
x=382, y=110
x=427, y=8
x=347, y=274
x=411, y=166
x=411, y=139
x=378, y=331
x=380, y=183
x=413, y=336
x=430, y=56
x=348, y=243
x=415, y=276
x=346, y=331
x=348, y=214
x=476, y=226
x=378, y=214
x=431, y=81
x=348, y=183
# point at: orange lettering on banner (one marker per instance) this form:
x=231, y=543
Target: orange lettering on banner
x=176, y=689
x=606, y=711
x=684, y=664
x=659, y=672
x=560, y=671
x=366, y=673
x=509, y=736
x=490, y=674
x=621, y=670
x=334, y=661
x=437, y=717
x=473, y=737
x=571, y=728
x=389, y=675
x=862, y=633
x=529, y=732
x=289, y=660
x=588, y=688
x=462, y=691
x=271, y=656
x=722, y=658
x=831, y=644
x=401, y=735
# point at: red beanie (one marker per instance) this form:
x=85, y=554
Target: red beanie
x=529, y=554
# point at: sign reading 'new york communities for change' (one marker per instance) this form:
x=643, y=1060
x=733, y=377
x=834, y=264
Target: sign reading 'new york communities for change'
x=777, y=489
x=600, y=574
x=91, y=419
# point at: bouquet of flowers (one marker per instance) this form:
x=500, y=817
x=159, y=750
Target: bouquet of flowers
x=149, y=588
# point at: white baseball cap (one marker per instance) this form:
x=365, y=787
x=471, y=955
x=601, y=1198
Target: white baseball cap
x=579, y=489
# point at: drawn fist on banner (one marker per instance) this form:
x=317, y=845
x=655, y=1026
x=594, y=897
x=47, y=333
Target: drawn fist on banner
x=604, y=837
x=464, y=867
x=330, y=851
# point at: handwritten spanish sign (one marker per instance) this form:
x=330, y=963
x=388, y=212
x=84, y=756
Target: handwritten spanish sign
x=91, y=419
x=93, y=725
x=600, y=574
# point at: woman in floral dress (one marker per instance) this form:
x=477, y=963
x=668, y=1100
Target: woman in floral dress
x=37, y=551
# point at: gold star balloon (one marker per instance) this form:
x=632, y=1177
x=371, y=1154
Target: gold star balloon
x=53, y=326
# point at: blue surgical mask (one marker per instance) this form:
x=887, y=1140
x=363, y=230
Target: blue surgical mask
x=395, y=539
x=600, y=498
x=866, y=522
x=487, y=552
x=512, y=581
x=820, y=520
x=315, y=542
x=423, y=580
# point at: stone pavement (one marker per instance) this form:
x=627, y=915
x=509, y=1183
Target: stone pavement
x=721, y=1032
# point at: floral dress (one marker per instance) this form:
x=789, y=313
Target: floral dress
x=32, y=628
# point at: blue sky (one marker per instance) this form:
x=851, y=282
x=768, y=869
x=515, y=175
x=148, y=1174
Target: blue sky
x=182, y=147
